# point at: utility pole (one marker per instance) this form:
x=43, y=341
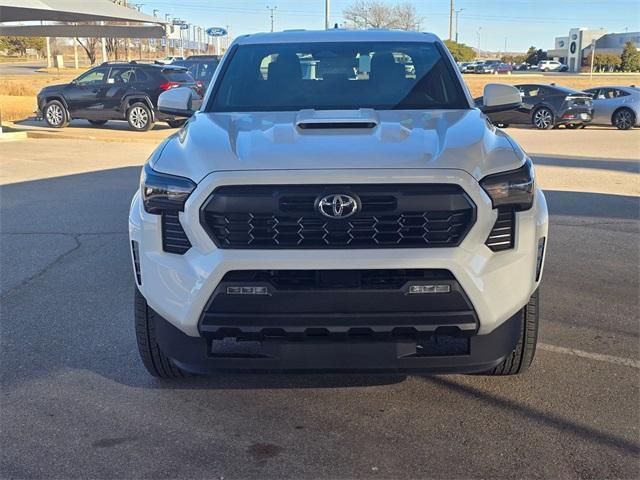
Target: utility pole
x=327, y=13
x=450, y=19
x=505, y=45
x=457, y=13
x=593, y=55
x=105, y=58
x=272, y=9
x=479, y=30
x=195, y=40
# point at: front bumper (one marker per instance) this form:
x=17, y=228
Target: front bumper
x=470, y=354
x=497, y=284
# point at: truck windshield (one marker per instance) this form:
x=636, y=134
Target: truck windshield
x=338, y=76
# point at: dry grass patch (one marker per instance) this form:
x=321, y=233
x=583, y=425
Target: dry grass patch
x=16, y=108
x=477, y=82
x=18, y=93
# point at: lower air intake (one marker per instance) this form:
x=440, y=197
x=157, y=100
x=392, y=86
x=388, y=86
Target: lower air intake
x=503, y=231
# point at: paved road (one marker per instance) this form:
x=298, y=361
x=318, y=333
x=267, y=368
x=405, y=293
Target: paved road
x=76, y=401
x=21, y=68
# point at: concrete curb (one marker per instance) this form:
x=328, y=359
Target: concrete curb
x=22, y=132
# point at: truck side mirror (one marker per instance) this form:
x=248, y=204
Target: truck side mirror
x=498, y=97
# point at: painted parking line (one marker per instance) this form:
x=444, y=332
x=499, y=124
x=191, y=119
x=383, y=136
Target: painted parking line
x=627, y=362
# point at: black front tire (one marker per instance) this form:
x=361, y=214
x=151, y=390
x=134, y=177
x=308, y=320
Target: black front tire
x=140, y=117
x=623, y=119
x=156, y=363
x=522, y=356
x=97, y=122
x=55, y=114
x=176, y=123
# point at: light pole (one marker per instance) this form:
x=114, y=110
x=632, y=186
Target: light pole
x=457, y=13
x=479, y=30
x=327, y=13
x=272, y=9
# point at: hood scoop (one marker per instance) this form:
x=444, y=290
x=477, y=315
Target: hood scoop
x=364, y=118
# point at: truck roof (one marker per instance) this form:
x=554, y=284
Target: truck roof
x=336, y=35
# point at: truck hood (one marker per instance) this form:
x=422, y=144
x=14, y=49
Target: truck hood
x=417, y=139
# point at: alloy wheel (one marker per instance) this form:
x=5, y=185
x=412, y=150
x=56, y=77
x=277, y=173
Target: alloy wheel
x=139, y=117
x=55, y=115
x=623, y=120
x=543, y=118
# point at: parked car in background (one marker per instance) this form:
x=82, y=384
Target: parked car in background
x=545, y=107
x=552, y=66
x=463, y=65
x=201, y=68
x=470, y=67
x=489, y=66
x=523, y=67
x=616, y=105
x=114, y=91
x=503, y=68
x=169, y=60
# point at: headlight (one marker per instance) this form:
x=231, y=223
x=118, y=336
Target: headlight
x=514, y=188
x=161, y=191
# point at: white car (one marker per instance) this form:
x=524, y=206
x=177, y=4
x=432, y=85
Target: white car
x=169, y=60
x=362, y=216
x=551, y=66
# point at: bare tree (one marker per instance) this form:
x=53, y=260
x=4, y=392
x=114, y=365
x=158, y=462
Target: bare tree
x=377, y=14
x=406, y=17
x=90, y=46
x=112, y=47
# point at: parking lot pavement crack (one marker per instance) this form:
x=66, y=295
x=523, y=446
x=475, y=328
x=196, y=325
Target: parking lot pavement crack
x=595, y=224
x=39, y=273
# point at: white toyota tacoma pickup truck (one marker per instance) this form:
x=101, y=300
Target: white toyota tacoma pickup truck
x=338, y=203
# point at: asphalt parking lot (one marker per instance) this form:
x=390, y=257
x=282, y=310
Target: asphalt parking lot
x=77, y=403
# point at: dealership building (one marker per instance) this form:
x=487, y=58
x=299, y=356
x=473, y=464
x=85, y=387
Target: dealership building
x=572, y=49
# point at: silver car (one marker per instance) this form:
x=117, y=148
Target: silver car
x=616, y=105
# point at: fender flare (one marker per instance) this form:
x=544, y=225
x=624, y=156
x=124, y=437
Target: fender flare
x=128, y=100
x=60, y=98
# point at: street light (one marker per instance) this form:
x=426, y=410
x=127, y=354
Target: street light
x=271, y=10
x=479, y=30
x=457, y=12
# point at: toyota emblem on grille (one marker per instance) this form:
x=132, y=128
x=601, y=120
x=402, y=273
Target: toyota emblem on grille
x=337, y=206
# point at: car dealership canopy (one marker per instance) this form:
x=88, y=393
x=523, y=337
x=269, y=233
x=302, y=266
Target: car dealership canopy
x=70, y=12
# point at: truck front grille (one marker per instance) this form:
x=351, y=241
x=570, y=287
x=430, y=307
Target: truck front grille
x=390, y=216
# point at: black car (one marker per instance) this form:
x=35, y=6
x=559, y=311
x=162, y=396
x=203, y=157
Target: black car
x=114, y=91
x=545, y=107
x=201, y=68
